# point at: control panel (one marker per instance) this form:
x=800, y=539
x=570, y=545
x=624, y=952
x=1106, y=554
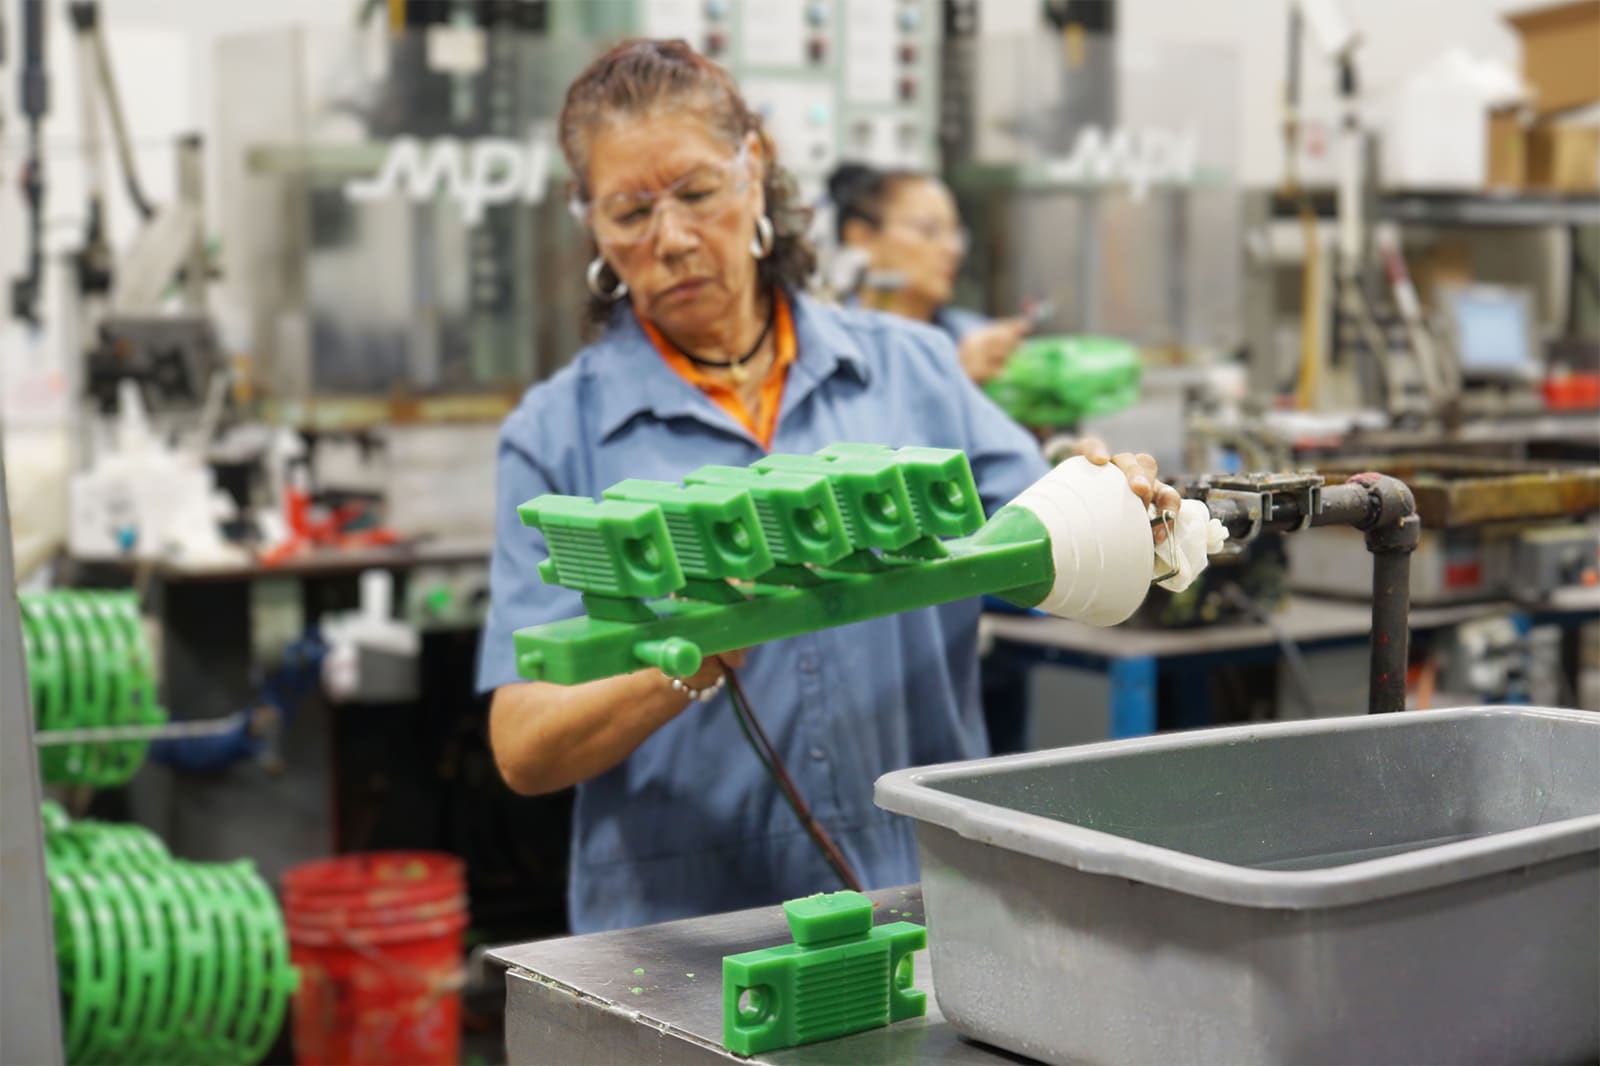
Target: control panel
x=832, y=79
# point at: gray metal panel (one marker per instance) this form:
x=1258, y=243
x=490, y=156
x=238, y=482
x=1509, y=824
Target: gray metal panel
x=30, y=1021
x=572, y=1000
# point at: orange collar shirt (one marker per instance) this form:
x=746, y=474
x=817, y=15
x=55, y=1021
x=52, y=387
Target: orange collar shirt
x=763, y=421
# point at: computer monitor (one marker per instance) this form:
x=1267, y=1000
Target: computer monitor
x=1492, y=332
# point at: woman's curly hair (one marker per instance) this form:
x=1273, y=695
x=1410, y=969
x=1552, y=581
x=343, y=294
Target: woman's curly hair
x=640, y=75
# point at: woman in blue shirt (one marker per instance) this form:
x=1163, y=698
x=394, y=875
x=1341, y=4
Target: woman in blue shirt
x=906, y=227
x=711, y=354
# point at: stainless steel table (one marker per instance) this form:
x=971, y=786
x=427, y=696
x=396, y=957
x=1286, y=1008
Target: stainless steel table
x=654, y=994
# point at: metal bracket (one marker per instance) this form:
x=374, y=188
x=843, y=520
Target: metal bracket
x=1258, y=494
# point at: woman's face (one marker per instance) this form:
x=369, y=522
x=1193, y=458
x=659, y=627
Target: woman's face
x=919, y=238
x=685, y=253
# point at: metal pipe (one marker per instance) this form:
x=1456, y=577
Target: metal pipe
x=1393, y=531
x=1384, y=509
x=35, y=103
x=119, y=124
x=1391, y=631
x=209, y=727
x=1346, y=505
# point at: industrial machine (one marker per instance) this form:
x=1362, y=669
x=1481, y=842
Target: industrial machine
x=1095, y=174
x=122, y=304
x=1490, y=530
x=395, y=219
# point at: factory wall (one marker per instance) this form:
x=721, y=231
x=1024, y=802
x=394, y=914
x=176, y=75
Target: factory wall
x=1398, y=37
x=162, y=50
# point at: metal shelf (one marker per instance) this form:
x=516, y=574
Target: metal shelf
x=1519, y=209
x=1422, y=208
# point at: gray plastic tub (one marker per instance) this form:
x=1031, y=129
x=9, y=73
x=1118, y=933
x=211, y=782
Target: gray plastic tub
x=1418, y=887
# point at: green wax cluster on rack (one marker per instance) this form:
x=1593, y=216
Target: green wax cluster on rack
x=161, y=960
x=797, y=512
x=89, y=666
x=740, y=556
x=649, y=538
x=1058, y=381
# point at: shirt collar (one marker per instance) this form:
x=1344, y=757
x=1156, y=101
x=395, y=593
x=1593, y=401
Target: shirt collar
x=825, y=348
x=632, y=379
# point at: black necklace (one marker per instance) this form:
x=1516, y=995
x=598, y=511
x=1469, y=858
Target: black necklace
x=735, y=367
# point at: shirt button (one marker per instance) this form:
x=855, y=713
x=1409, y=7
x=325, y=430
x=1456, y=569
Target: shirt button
x=819, y=755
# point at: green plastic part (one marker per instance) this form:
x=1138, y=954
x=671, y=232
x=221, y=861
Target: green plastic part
x=944, y=497
x=89, y=665
x=871, y=494
x=1010, y=556
x=47, y=678
x=74, y=960
x=610, y=548
x=54, y=816
x=674, y=656
x=1059, y=381
x=841, y=975
x=799, y=517
x=159, y=960
x=80, y=764
x=1007, y=556
x=714, y=528
x=120, y=760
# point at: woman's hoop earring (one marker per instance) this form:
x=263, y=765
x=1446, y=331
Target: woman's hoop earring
x=761, y=244
x=596, y=266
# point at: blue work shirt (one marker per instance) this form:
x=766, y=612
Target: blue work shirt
x=955, y=321
x=689, y=824
x=958, y=321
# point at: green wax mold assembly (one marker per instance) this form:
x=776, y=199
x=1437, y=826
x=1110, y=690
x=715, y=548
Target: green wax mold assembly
x=737, y=556
x=841, y=975
x=1059, y=381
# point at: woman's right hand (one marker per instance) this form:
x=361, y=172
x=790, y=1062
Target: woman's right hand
x=985, y=350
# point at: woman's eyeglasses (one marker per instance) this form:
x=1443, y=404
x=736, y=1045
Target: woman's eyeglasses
x=629, y=217
x=933, y=232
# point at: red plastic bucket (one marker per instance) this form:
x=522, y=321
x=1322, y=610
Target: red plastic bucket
x=377, y=938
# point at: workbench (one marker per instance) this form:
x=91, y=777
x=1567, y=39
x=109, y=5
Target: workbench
x=310, y=799
x=654, y=994
x=1132, y=658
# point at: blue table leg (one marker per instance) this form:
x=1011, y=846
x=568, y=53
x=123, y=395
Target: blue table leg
x=1133, y=697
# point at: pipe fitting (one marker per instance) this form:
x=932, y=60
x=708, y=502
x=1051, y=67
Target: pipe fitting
x=1392, y=524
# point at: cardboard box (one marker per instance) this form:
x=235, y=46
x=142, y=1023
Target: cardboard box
x=1561, y=53
x=1564, y=158
x=1448, y=261
x=1507, y=149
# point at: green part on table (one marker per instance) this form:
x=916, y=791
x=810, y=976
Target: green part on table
x=841, y=975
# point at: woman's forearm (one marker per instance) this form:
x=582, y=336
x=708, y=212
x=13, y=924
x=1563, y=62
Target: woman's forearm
x=549, y=737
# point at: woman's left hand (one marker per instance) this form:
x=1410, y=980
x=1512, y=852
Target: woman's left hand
x=1142, y=477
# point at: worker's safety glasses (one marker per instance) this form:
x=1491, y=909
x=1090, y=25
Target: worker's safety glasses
x=704, y=193
x=933, y=232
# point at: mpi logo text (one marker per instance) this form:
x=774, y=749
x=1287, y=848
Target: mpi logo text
x=1138, y=159
x=475, y=173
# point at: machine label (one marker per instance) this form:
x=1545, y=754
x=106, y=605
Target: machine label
x=1139, y=158
x=476, y=173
